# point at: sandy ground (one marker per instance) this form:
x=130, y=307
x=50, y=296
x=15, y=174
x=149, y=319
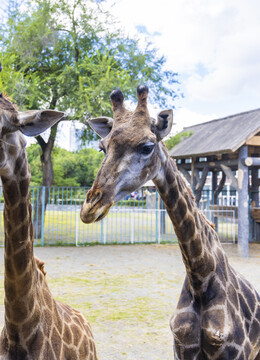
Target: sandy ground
x=128, y=293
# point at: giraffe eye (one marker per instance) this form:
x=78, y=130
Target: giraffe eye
x=147, y=148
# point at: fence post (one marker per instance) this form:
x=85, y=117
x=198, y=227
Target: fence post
x=132, y=225
x=102, y=231
x=208, y=200
x=42, y=220
x=156, y=216
x=250, y=222
x=76, y=220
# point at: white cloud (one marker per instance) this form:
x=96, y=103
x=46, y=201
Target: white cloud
x=236, y=68
x=184, y=118
x=213, y=45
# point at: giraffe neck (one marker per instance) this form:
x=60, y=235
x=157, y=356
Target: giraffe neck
x=19, y=260
x=198, y=241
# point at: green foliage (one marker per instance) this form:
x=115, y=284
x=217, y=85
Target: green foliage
x=62, y=54
x=133, y=203
x=70, y=168
x=176, y=139
x=33, y=155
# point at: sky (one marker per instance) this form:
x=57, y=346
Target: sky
x=214, y=46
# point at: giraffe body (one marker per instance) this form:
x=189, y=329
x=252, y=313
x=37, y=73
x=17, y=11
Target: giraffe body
x=36, y=326
x=218, y=313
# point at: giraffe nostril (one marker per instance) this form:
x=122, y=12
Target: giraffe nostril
x=95, y=198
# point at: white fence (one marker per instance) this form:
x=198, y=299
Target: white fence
x=132, y=226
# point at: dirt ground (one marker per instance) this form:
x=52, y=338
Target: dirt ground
x=128, y=293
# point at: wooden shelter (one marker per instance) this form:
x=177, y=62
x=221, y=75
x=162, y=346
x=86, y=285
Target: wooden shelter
x=230, y=145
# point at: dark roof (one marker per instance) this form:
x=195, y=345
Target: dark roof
x=218, y=136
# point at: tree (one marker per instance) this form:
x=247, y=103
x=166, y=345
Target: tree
x=61, y=54
x=70, y=168
x=176, y=139
x=33, y=156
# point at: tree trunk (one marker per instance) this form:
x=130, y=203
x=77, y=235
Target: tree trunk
x=47, y=180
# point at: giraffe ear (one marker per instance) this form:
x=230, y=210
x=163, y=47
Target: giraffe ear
x=164, y=123
x=102, y=125
x=34, y=122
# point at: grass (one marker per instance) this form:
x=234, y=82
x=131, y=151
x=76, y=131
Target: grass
x=82, y=290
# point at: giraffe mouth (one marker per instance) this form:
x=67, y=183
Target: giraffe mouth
x=101, y=216
x=89, y=214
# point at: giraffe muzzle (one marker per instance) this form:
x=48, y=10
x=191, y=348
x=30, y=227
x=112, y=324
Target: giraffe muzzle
x=88, y=214
x=94, y=208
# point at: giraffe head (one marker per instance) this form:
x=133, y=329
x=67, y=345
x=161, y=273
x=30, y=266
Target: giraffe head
x=131, y=143
x=13, y=123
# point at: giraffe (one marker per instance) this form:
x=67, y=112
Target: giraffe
x=36, y=326
x=218, y=312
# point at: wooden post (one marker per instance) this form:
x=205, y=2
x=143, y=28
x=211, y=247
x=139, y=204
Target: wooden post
x=214, y=184
x=254, y=188
x=214, y=196
x=243, y=224
x=201, y=183
x=186, y=174
x=193, y=175
x=162, y=217
x=255, y=198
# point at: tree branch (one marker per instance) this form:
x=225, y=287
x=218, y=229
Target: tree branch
x=41, y=142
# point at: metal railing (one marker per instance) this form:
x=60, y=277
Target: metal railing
x=141, y=220
x=128, y=226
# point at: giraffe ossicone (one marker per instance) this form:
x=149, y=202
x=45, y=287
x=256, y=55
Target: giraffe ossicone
x=218, y=313
x=36, y=326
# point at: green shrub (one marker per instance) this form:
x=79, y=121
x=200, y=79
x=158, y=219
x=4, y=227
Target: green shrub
x=133, y=203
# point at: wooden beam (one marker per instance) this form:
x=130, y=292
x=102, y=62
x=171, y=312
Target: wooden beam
x=193, y=176
x=221, y=183
x=254, y=141
x=251, y=161
x=213, y=165
x=201, y=183
x=230, y=175
x=186, y=174
x=197, y=175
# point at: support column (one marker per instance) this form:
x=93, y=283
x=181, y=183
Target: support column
x=255, y=198
x=214, y=196
x=201, y=183
x=243, y=221
x=255, y=186
x=193, y=176
x=214, y=184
